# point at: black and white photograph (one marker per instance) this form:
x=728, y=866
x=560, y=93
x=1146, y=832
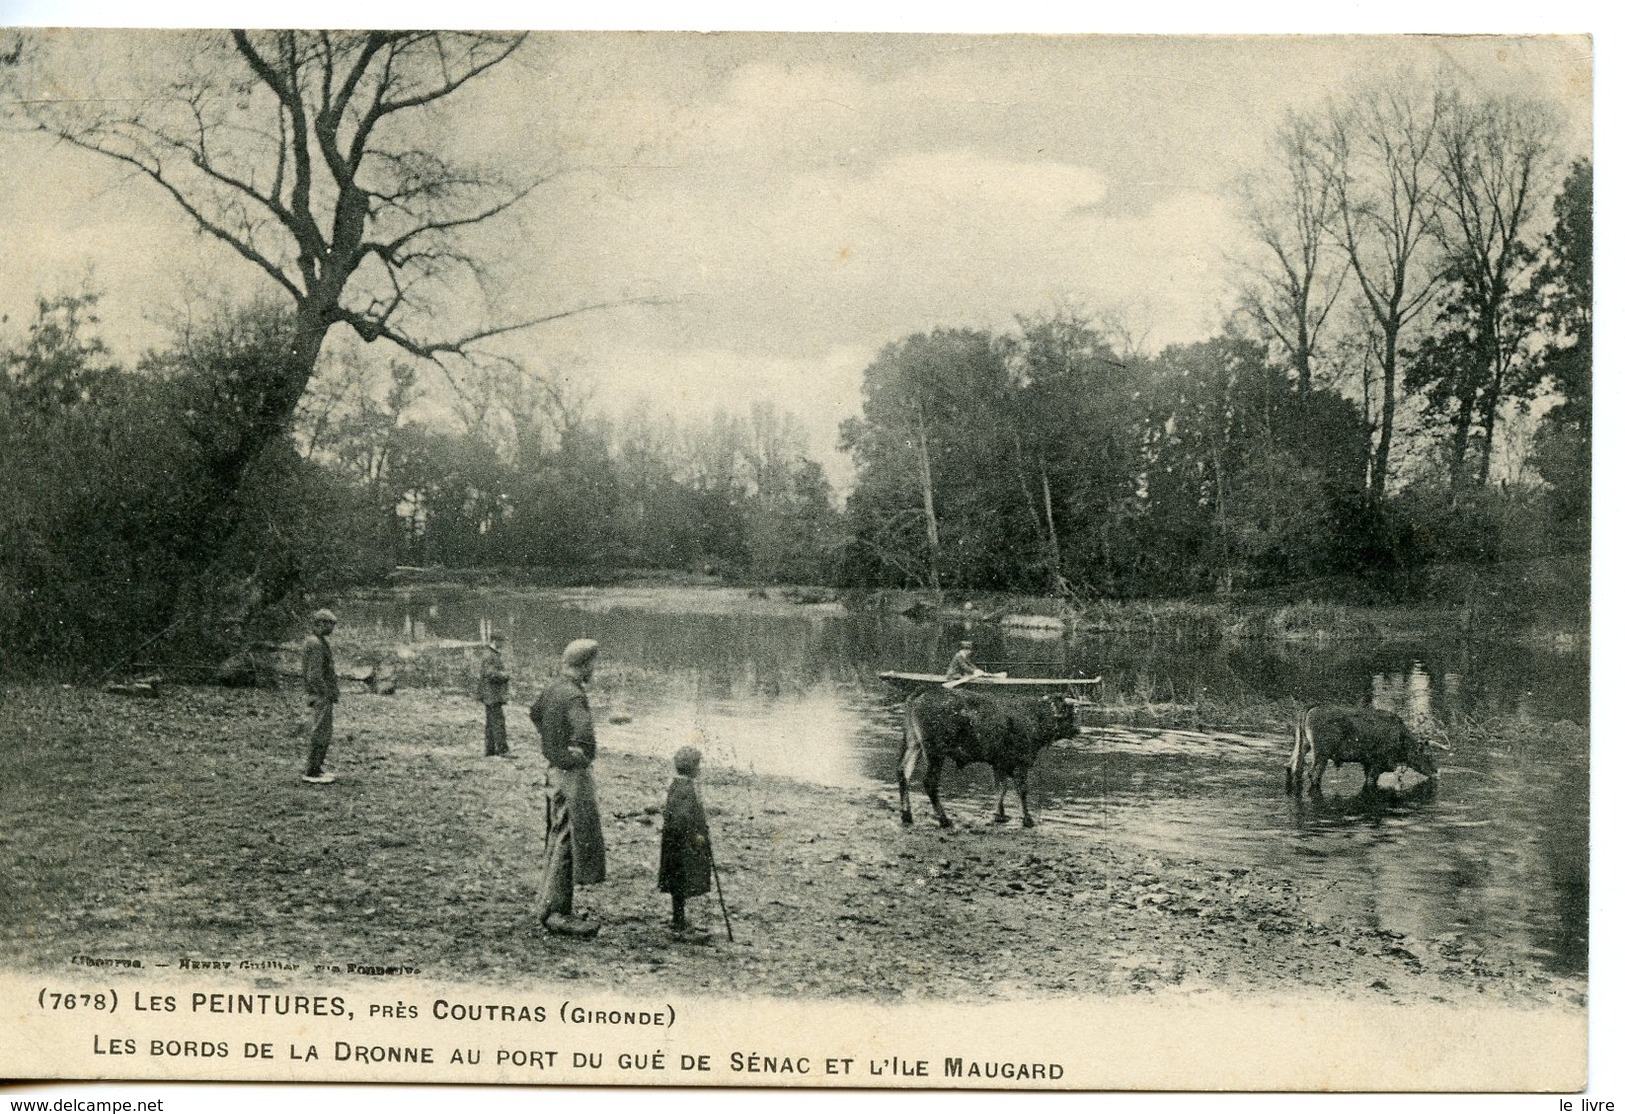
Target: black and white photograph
x=796, y=559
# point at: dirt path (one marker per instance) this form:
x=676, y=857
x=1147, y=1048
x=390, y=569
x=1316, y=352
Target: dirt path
x=179, y=826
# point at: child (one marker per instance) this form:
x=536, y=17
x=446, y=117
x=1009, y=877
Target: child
x=685, y=845
x=493, y=693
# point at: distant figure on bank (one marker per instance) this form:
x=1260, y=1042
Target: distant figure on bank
x=962, y=666
x=321, y=693
x=575, y=833
x=685, y=845
x=493, y=693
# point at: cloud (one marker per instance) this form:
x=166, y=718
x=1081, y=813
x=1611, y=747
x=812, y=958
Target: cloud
x=799, y=264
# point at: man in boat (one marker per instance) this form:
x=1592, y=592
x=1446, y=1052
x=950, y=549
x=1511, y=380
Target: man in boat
x=962, y=666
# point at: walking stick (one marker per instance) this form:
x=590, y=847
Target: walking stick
x=723, y=904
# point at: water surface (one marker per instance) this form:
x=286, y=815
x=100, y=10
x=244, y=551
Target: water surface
x=1498, y=852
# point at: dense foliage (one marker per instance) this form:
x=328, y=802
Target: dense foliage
x=1405, y=386
x=128, y=537
x=133, y=516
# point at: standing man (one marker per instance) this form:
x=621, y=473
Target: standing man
x=321, y=693
x=575, y=834
x=493, y=693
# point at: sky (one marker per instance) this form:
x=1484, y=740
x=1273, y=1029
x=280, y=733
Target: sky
x=779, y=207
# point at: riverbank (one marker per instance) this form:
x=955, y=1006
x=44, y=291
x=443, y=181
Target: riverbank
x=154, y=828
x=1198, y=622
x=677, y=594
x=1536, y=603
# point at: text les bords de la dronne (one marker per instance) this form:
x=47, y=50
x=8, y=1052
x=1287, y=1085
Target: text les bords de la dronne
x=528, y=1018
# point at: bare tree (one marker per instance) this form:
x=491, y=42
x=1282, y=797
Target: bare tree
x=524, y=414
x=711, y=453
x=1289, y=211
x=775, y=444
x=1497, y=167
x=315, y=157
x=1378, y=155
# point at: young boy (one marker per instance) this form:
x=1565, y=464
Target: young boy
x=685, y=845
x=493, y=693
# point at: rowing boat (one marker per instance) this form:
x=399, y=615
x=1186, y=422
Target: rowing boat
x=1073, y=686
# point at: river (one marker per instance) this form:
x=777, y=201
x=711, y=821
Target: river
x=1499, y=852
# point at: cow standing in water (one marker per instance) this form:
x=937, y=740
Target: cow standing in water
x=1006, y=733
x=1379, y=741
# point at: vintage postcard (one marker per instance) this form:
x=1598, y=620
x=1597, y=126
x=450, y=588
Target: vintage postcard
x=885, y=561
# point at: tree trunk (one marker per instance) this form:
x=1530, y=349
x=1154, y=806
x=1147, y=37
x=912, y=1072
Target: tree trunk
x=1227, y=579
x=933, y=542
x=1385, y=438
x=1490, y=408
x=1461, y=431
x=1045, y=525
x=1490, y=405
x=1057, y=580
x=270, y=414
x=294, y=373
x=1300, y=357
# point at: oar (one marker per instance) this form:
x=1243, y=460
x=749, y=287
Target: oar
x=957, y=681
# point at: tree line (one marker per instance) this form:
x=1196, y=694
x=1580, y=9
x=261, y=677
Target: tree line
x=526, y=474
x=133, y=513
x=1413, y=297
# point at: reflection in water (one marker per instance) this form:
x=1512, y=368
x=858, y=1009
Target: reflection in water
x=750, y=733
x=1498, y=851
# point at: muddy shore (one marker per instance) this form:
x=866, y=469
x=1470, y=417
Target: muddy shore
x=178, y=825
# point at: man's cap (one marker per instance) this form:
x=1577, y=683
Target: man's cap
x=497, y=638
x=580, y=652
x=324, y=616
x=686, y=760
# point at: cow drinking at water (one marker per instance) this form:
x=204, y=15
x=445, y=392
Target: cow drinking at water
x=1379, y=741
x=1006, y=733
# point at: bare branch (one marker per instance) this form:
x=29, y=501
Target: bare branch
x=155, y=173
x=299, y=220
x=382, y=106
x=370, y=328
x=388, y=250
x=275, y=143
x=341, y=166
